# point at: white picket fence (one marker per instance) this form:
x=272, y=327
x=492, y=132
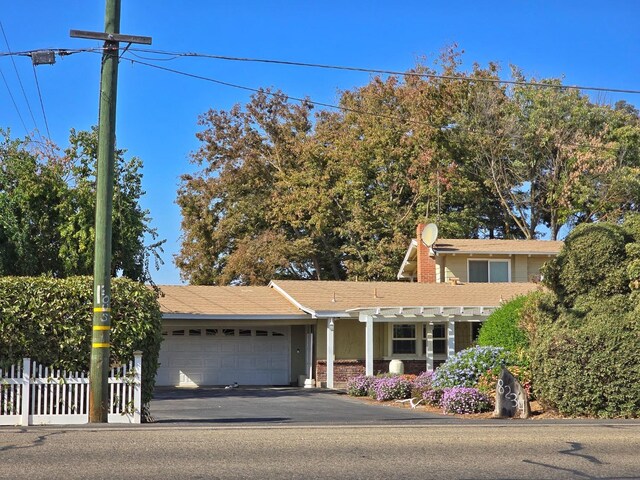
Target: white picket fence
x=31, y=394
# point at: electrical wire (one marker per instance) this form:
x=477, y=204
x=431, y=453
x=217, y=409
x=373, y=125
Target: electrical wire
x=6, y=41
x=15, y=105
x=382, y=71
x=44, y=115
x=286, y=98
x=276, y=95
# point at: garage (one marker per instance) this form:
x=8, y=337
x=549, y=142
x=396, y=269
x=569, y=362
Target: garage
x=192, y=356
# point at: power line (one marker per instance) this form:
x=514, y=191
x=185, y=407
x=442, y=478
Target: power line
x=61, y=52
x=286, y=98
x=44, y=115
x=175, y=55
x=277, y=95
x=384, y=72
x=20, y=80
x=15, y=105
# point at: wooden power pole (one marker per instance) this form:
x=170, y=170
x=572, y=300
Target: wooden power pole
x=100, y=341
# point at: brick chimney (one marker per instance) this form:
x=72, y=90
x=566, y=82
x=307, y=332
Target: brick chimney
x=426, y=264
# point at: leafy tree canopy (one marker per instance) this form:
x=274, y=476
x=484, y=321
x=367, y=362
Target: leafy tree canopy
x=284, y=191
x=47, y=210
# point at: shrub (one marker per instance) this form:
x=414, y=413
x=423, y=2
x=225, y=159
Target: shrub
x=359, y=386
x=421, y=383
x=501, y=329
x=590, y=364
x=593, y=260
x=585, y=346
x=50, y=320
x=433, y=396
x=464, y=400
x=465, y=368
x=391, y=388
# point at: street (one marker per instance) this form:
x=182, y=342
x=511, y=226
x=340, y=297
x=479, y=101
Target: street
x=463, y=450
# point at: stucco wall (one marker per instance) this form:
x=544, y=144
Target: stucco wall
x=349, y=341
x=523, y=267
x=535, y=263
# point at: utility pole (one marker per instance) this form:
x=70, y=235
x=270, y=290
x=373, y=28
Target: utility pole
x=100, y=341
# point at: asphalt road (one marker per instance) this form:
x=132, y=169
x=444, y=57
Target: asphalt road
x=520, y=450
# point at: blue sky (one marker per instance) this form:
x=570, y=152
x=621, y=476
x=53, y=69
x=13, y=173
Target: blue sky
x=587, y=42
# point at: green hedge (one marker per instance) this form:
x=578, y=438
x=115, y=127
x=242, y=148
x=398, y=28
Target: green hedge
x=585, y=334
x=50, y=320
x=590, y=364
x=501, y=329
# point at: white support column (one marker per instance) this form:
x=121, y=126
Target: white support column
x=369, y=345
x=137, y=386
x=330, y=355
x=451, y=339
x=429, y=352
x=308, y=350
x=25, y=391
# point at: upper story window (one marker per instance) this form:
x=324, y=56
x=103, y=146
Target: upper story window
x=489, y=271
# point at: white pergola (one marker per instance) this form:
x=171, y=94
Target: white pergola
x=428, y=314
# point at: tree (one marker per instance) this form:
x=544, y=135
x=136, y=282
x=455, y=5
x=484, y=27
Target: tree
x=551, y=156
x=31, y=190
x=283, y=193
x=259, y=208
x=47, y=211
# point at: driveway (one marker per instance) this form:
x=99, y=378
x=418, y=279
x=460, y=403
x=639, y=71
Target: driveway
x=277, y=406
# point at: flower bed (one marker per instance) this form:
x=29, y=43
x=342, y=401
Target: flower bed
x=464, y=400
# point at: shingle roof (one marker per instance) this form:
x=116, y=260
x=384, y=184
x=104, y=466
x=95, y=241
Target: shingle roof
x=334, y=296
x=499, y=246
x=210, y=300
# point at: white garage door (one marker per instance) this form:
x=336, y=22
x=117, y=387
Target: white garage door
x=191, y=356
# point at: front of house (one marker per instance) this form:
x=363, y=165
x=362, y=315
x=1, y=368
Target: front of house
x=326, y=331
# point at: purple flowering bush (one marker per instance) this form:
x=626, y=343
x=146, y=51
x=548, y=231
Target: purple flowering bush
x=464, y=400
x=421, y=384
x=391, y=388
x=359, y=386
x=432, y=396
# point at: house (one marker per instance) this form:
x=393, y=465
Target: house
x=323, y=332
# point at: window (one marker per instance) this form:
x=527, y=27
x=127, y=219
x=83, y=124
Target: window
x=491, y=271
x=244, y=332
x=439, y=338
x=211, y=331
x=404, y=339
x=228, y=332
x=262, y=333
x=195, y=332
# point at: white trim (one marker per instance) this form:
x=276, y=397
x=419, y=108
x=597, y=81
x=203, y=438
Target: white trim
x=234, y=317
x=451, y=339
x=368, y=344
x=429, y=349
x=330, y=351
x=293, y=301
x=489, y=261
x=413, y=246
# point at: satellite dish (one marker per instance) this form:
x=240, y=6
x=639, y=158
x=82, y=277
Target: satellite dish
x=430, y=234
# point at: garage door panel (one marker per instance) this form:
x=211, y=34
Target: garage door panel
x=219, y=359
x=228, y=346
